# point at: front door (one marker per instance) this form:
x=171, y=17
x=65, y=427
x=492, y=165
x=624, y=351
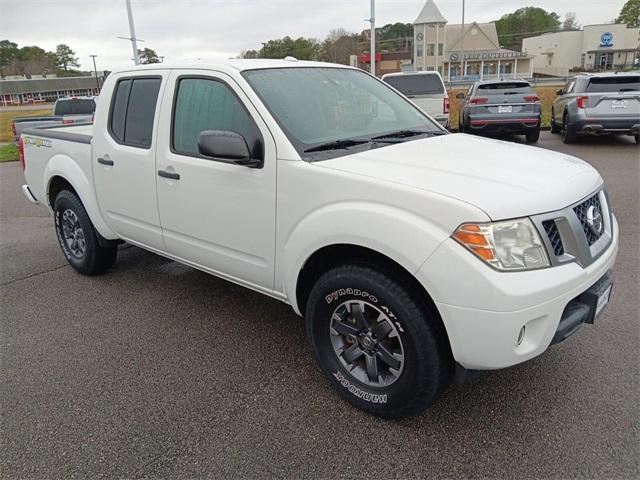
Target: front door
x=124, y=170
x=217, y=215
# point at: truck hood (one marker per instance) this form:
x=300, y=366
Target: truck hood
x=504, y=179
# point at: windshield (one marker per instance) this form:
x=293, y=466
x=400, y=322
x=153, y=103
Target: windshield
x=319, y=108
x=626, y=83
x=419, y=84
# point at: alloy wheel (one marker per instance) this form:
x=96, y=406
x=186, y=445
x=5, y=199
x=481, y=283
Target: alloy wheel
x=367, y=343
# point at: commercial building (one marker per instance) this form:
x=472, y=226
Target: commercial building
x=464, y=52
x=34, y=90
x=594, y=48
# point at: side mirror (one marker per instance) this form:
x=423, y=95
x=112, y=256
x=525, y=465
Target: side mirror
x=226, y=145
x=560, y=92
x=460, y=96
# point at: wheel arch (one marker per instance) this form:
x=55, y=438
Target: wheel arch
x=62, y=173
x=331, y=256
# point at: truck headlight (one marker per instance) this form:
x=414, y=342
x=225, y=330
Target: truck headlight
x=507, y=246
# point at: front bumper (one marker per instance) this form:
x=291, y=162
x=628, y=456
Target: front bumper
x=484, y=310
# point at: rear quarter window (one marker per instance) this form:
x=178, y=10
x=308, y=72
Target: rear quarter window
x=625, y=83
x=423, y=84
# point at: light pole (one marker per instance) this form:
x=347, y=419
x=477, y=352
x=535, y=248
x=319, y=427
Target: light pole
x=462, y=44
x=132, y=34
x=95, y=70
x=372, y=21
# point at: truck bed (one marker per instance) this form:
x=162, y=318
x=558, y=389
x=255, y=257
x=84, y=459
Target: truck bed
x=63, y=148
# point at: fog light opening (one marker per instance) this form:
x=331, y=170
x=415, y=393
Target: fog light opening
x=521, y=335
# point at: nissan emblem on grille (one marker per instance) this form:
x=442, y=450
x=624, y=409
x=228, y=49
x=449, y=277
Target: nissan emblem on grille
x=594, y=219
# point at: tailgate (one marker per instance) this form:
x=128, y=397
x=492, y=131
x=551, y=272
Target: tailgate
x=432, y=104
x=613, y=105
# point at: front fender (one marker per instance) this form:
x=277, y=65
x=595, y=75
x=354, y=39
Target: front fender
x=403, y=236
x=61, y=165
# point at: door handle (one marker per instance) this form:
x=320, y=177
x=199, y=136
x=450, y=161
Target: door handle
x=105, y=161
x=171, y=175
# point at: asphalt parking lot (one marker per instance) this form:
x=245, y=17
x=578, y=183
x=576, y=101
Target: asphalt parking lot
x=159, y=370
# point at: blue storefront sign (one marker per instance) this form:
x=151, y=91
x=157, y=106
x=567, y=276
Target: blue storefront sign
x=606, y=40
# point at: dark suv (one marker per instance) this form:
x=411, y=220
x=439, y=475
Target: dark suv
x=508, y=106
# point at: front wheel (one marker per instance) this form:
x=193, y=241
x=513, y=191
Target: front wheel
x=555, y=128
x=78, y=238
x=382, y=347
x=569, y=134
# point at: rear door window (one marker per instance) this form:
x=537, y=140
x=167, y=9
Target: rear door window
x=626, y=83
x=133, y=111
x=423, y=84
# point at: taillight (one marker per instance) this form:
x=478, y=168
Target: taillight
x=478, y=100
x=531, y=98
x=67, y=121
x=582, y=102
x=21, y=154
x=446, y=105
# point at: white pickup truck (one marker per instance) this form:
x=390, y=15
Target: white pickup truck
x=417, y=257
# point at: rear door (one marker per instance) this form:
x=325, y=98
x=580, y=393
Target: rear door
x=613, y=96
x=424, y=89
x=124, y=159
x=217, y=215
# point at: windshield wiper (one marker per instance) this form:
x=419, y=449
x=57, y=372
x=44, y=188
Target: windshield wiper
x=337, y=145
x=407, y=133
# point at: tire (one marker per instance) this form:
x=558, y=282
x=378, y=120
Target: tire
x=78, y=238
x=555, y=128
x=637, y=137
x=353, y=296
x=568, y=132
x=532, y=137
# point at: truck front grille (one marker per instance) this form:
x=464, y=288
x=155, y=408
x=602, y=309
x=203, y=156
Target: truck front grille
x=551, y=229
x=582, y=212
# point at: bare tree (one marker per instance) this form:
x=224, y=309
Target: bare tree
x=571, y=22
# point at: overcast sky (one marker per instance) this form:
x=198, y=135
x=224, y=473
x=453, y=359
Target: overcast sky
x=187, y=30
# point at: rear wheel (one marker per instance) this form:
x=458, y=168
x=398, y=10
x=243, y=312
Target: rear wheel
x=78, y=238
x=568, y=132
x=382, y=347
x=532, y=137
x=637, y=137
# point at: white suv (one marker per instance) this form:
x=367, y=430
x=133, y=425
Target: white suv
x=426, y=90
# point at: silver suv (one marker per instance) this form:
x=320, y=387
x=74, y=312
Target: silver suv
x=598, y=104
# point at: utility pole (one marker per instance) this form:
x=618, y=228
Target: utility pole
x=372, y=21
x=462, y=44
x=95, y=70
x=132, y=33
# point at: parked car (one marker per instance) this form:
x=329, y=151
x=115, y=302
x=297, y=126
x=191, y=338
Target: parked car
x=496, y=107
x=66, y=111
x=413, y=262
x=426, y=90
x=598, y=104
